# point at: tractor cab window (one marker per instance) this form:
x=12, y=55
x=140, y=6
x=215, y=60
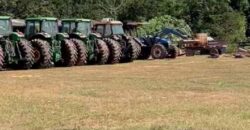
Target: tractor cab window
x=5, y=27
x=32, y=27
x=84, y=27
x=66, y=27
x=117, y=29
x=50, y=27
x=108, y=30
x=100, y=29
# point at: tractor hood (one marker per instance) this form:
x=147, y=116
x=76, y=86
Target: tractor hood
x=81, y=35
x=163, y=40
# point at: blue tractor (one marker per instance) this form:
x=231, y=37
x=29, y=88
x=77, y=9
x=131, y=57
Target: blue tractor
x=159, y=46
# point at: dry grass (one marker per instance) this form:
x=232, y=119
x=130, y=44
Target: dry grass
x=184, y=94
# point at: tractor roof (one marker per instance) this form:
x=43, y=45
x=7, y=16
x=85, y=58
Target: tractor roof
x=76, y=20
x=18, y=22
x=42, y=18
x=5, y=17
x=108, y=21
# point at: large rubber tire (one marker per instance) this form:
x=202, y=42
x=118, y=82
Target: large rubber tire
x=81, y=52
x=1, y=58
x=172, y=52
x=138, y=47
x=189, y=52
x=27, y=53
x=115, y=51
x=131, y=53
x=159, y=51
x=214, y=52
x=69, y=53
x=42, y=54
x=145, y=53
x=103, y=52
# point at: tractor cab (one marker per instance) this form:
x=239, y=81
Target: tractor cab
x=82, y=26
x=109, y=27
x=5, y=26
x=44, y=25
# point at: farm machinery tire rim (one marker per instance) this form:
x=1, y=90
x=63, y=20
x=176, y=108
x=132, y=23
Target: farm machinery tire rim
x=115, y=51
x=43, y=55
x=69, y=53
x=27, y=54
x=159, y=51
x=81, y=52
x=103, y=52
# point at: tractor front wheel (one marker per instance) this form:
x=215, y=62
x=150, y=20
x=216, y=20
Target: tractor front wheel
x=103, y=52
x=69, y=53
x=115, y=51
x=42, y=54
x=81, y=52
x=27, y=54
x=159, y=51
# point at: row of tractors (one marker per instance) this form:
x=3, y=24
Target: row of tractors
x=44, y=42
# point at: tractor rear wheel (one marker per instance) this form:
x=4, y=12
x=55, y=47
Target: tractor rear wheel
x=103, y=52
x=27, y=54
x=138, y=47
x=132, y=52
x=159, y=51
x=115, y=51
x=42, y=54
x=69, y=53
x=145, y=53
x=1, y=58
x=81, y=52
x=172, y=52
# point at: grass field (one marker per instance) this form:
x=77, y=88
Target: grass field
x=194, y=93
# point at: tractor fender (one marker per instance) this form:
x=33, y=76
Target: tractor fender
x=77, y=35
x=137, y=40
x=96, y=35
x=61, y=36
x=44, y=36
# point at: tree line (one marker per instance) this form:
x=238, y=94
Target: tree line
x=218, y=17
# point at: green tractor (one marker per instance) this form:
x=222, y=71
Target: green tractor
x=15, y=51
x=50, y=47
x=126, y=48
x=91, y=48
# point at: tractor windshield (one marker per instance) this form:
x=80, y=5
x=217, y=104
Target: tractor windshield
x=84, y=27
x=117, y=29
x=5, y=27
x=50, y=27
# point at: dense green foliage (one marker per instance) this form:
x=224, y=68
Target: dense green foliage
x=222, y=18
